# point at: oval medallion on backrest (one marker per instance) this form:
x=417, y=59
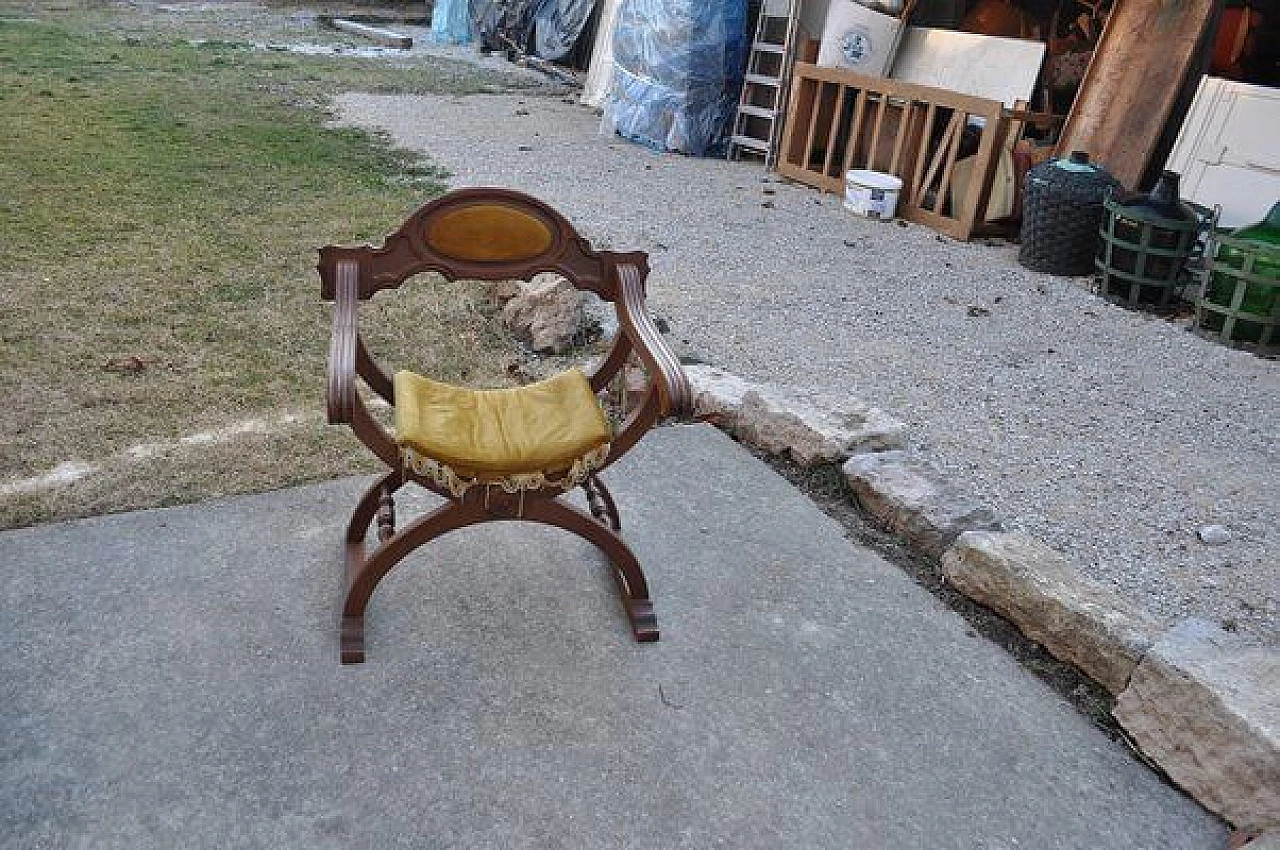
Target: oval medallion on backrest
x=488, y=232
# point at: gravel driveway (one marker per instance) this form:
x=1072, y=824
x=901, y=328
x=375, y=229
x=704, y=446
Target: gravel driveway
x=1112, y=435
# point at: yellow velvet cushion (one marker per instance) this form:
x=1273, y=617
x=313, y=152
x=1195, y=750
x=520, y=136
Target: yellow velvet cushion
x=491, y=434
x=489, y=232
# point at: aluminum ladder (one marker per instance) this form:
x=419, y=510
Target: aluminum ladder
x=758, y=123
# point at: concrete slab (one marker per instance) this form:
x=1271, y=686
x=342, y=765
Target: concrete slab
x=170, y=679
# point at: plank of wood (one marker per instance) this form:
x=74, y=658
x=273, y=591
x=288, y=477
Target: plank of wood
x=957, y=121
x=941, y=223
x=855, y=130
x=977, y=194
x=818, y=94
x=387, y=38
x=897, y=88
x=835, y=126
x=904, y=130
x=876, y=127
x=940, y=154
x=1132, y=81
x=913, y=190
x=1003, y=69
x=803, y=93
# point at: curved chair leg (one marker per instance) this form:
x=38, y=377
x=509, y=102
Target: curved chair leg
x=626, y=569
x=603, y=507
x=367, y=508
x=364, y=573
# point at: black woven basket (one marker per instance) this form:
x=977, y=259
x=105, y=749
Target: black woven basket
x=1061, y=211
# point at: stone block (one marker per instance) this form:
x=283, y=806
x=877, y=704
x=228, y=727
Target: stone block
x=1048, y=599
x=810, y=429
x=1205, y=706
x=908, y=498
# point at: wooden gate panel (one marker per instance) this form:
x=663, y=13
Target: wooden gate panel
x=839, y=120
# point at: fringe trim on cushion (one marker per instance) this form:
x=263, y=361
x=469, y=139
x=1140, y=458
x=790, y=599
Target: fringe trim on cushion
x=458, y=485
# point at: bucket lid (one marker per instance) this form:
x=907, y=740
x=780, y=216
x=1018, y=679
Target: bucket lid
x=873, y=179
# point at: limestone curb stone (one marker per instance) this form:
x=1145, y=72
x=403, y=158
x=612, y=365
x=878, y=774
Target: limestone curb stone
x=810, y=428
x=1205, y=706
x=1037, y=589
x=908, y=497
x=1267, y=841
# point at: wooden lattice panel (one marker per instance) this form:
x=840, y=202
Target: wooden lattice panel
x=840, y=120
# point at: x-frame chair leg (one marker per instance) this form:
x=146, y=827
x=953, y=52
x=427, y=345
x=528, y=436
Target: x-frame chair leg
x=603, y=508
x=366, y=569
x=632, y=586
x=367, y=507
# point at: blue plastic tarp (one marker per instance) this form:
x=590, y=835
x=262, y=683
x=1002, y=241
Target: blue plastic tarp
x=548, y=29
x=451, y=22
x=677, y=73
x=557, y=25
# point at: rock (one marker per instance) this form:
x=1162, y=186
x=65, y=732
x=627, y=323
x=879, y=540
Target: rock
x=1205, y=706
x=500, y=292
x=810, y=429
x=1214, y=535
x=546, y=315
x=1044, y=595
x=813, y=431
x=909, y=499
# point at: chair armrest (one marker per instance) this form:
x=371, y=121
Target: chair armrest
x=348, y=356
x=341, y=396
x=347, y=360
x=675, y=394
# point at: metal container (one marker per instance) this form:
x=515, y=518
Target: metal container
x=1061, y=211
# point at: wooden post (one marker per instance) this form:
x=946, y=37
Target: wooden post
x=376, y=34
x=1132, y=82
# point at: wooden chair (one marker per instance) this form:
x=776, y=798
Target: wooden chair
x=492, y=454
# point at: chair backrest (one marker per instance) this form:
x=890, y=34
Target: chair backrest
x=481, y=234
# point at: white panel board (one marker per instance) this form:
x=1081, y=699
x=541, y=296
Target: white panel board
x=1003, y=69
x=1227, y=152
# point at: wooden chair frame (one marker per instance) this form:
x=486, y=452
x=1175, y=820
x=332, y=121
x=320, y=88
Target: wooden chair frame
x=352, y=274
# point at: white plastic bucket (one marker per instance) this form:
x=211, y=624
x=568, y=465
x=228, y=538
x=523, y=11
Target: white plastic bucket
x=873, y=194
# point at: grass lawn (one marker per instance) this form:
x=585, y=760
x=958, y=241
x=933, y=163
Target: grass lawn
x=162, y=202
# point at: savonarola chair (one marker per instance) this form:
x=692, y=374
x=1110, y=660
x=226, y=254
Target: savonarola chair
x=506, y=454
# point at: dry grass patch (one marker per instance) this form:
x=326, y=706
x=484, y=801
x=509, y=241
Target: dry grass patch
x=162, y=209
